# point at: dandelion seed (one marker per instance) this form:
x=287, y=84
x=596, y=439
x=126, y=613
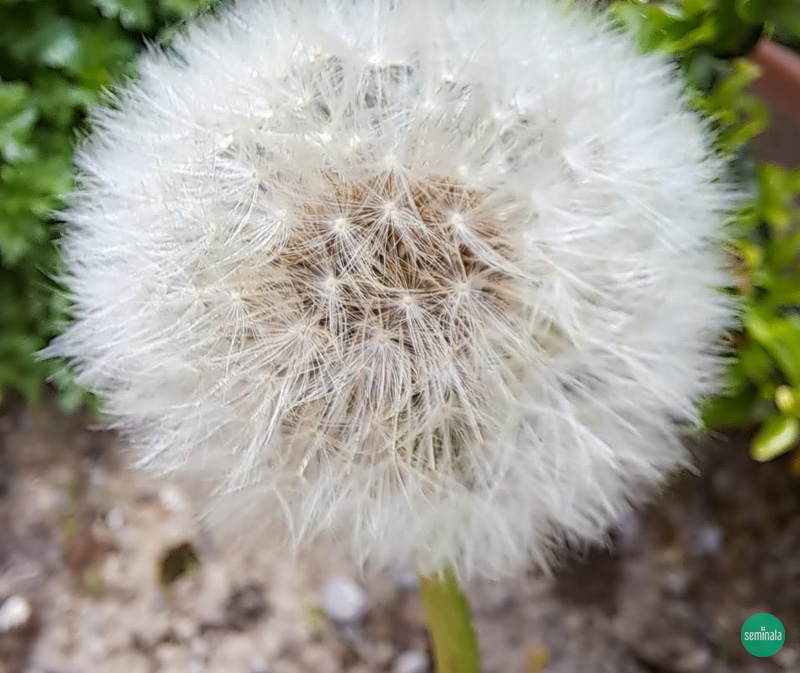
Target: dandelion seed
x=455, y=303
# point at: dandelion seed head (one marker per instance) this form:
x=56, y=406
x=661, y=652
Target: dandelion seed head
x=444, y=287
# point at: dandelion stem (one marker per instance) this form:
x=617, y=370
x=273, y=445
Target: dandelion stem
x=449, y=618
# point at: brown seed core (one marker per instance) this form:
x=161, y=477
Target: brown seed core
x=371, y=251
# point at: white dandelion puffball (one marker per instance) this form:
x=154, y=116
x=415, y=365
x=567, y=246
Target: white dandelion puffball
x=435, y=277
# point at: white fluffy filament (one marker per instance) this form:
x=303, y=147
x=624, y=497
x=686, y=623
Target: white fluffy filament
x=436, y=276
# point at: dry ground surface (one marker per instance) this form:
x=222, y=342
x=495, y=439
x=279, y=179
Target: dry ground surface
x=104, y=558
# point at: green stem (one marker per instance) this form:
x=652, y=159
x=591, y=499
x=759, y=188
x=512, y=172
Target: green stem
x=449, y=618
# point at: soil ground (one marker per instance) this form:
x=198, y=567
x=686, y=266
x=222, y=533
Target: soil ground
x=121, y=578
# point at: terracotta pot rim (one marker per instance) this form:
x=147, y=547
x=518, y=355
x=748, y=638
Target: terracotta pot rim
x=780, y=75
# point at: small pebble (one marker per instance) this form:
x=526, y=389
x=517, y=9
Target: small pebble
x=706, y=542
x=412, y=662
x=676, y=583
x=15, y=613
x=383, y=652
x=97, y=625
x=115, y=519
x=406, y=579
x=199, y=649
x=344, y=601
x=171, y=499
x=696, y=660
x=787, y=658
x=410, y=611
x=259, y=666
x=157, y=602
x=98, y=476
x=629, y=532
x=184, y=629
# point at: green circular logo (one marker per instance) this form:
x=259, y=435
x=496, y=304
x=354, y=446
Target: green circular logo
x=763, y=635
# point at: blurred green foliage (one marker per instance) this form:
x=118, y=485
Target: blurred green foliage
x=56, y=57
x=708, y=39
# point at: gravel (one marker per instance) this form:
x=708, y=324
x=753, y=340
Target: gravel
x=412, y=662
x=344, y=601
x=15, y=613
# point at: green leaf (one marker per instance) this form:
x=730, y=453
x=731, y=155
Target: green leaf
x=786, y=19
x=782, y=292
x=184, y=8
x=12, y=96
x=132, y=14
x=778, y=190
x=783, y=16
x=739, y=117
x=700, y=69
x=729, y=412
x=656, y=27
x=15, y=134
x=754, y=11
x=780, y=337
x=695, y=8
x=778, y=435
x=60, y=101
x=18, y=116
x=788, y=401
x=756, y=363
x=43, y=37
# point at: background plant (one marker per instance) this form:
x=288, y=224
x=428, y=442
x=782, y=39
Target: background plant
x=56, y=57
x=709, y=39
